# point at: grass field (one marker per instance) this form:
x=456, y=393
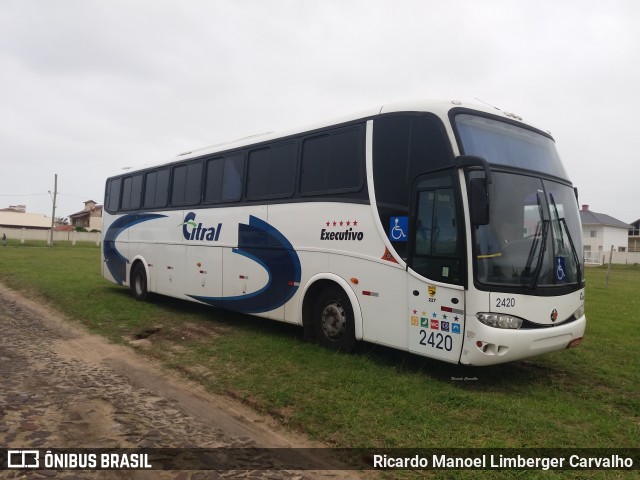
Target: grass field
x=378, y=397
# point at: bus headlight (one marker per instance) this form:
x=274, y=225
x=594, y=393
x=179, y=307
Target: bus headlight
x=579, y=312
x=499, y=320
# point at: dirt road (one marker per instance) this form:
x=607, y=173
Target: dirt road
x=61, y=387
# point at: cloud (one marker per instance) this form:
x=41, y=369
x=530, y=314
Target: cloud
x=94, y=86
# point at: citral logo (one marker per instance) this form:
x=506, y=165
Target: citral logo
x=192, y=230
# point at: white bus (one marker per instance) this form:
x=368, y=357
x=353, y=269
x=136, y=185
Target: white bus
x=449, y=230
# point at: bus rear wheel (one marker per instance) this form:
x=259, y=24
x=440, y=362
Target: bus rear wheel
x=138, y=282
x=333, y=321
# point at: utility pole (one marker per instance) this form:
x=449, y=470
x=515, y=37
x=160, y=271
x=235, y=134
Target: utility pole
x=53, y=213
x=606, y=281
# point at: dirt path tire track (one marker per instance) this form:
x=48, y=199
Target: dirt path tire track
x=62, y=387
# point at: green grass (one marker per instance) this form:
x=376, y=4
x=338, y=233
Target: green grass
x=584, y=397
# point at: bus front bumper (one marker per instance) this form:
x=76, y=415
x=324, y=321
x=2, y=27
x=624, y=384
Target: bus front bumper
x=484, y=345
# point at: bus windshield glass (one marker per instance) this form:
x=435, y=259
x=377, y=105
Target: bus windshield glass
x=502, y=143
x=533, y=235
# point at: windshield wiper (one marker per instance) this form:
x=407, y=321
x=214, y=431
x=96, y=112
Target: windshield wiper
x=543, y=250
x=574, y=252
x=543, y=246
x=532, y=250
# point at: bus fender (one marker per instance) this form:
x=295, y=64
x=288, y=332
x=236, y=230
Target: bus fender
x=355, y=304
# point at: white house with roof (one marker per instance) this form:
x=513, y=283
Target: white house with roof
x=599, y=233
x=634, y=236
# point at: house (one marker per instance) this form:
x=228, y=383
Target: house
x=89, y=218
x=599, y=233
x=16, y=216
x=634, y=236
x=15, y=208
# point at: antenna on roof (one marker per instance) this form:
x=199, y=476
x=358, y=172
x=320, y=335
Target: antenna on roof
x=508, y=114
x=225, y=143
x=488, y=104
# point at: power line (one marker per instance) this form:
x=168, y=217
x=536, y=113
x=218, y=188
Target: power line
x=74, y=196
x=41, y=194
x=23, y=194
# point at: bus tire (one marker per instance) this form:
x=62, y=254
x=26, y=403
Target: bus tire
x=138, y=282
x=333, y=320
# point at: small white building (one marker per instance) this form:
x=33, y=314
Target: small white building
x=599, y=233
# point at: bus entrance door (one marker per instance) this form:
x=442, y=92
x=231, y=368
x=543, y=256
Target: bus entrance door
x=436, y=296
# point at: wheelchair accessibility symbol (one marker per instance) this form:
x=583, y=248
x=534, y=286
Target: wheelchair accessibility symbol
x=398, y=229
x=560, y=266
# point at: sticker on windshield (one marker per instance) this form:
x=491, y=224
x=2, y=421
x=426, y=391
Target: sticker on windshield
x=560, y=269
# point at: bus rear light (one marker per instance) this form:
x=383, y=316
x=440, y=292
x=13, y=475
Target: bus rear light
x=500, y=320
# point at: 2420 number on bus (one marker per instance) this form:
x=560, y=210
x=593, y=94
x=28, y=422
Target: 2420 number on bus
x=436, y=340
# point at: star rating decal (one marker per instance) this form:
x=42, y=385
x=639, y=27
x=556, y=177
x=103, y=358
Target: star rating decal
x=341, y=223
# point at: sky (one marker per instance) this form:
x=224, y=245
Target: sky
x=90, y=87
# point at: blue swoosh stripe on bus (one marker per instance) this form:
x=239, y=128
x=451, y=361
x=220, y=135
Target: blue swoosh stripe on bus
x=116, y=262
x=265, y=245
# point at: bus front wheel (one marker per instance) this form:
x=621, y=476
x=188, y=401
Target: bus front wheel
x=333, y=321
x=138, y=282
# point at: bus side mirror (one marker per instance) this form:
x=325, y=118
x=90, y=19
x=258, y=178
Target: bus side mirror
x=478, y=201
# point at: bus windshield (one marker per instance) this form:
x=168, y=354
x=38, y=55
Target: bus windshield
x=533, y=235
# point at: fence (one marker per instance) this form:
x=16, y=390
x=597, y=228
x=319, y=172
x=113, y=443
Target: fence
x=602, y=258
x=26, y=234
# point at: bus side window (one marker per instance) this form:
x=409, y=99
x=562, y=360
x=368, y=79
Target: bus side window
x=436, y=249
x=224, y=179
x=187, y=184
x=232, y=177
x=112, y=200
x=156, y=188
x=325, y=155
x=271, y=171
x=131, y=192
x=213, y=182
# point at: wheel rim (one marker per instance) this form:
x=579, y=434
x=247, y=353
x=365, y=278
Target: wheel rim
x=333, y=321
